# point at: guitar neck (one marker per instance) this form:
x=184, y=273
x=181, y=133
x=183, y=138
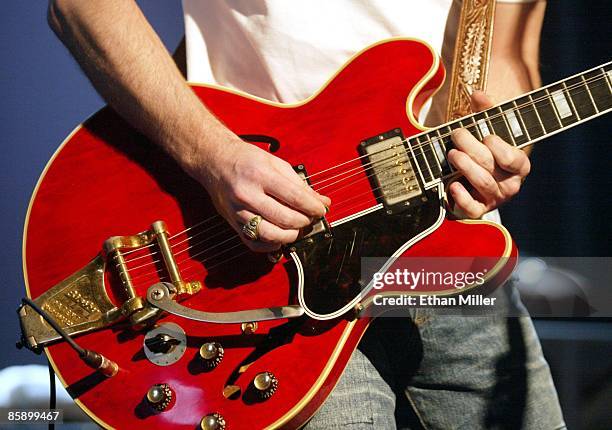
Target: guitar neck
x=520, y=122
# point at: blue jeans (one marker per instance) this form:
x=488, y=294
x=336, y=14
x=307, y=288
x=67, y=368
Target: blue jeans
x=435, y=371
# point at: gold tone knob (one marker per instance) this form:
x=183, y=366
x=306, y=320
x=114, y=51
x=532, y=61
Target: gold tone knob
x=249, y=327
x=266, y=384
x=214, y=421
x=159, y=396
x=212, y=354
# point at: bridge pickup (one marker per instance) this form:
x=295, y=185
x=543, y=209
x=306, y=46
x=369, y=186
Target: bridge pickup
x=391, y=173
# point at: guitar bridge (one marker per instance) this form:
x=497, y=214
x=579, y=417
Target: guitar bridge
x=317, y=230
x=391, y=173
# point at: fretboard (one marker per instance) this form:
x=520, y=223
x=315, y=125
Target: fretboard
x=520, y=122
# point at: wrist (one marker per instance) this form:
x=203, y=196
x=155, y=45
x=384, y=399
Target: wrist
x=204, y=156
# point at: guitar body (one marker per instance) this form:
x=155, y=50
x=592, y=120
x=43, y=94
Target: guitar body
x=108, y=180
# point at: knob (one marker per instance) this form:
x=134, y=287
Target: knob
x=266, y=384
x=214, y=421
x=211, y=353
x=159, y=396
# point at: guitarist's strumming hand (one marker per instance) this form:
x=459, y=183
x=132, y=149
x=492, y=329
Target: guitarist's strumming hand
x=494, y=170
x=244, y=180
x=152, y=95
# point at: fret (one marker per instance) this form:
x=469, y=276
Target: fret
x=470, y=125
x=588, y=91
x=441, y=152
x=546, y=111
x=598, y=86
x=580, y=96
x=421, y=160
x=454, y=125
x=483, y=125
x=417, y=163
x=445, y=141
x=436, y=149
x=500, y=126
x=530, y=117
x=553, y=103
x=433, y=164
x=569, y=97
x=567, y=115
x=520, y=117
x=514, y=124
x=422, y=152
x=608, y=74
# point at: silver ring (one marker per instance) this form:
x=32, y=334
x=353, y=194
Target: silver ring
x=250, y=228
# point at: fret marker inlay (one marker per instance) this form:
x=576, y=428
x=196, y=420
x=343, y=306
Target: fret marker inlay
x=515, y=127
x=484, y=130
x=439, y=151
x=561, y=104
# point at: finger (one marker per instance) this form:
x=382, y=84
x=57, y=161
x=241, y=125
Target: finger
x=277, y=213
x=467, y=143
x=482, y=180
x=509, y=185
x=253, y=245
x=465, y=202
x=266, y=231
x=480, y=101
x=291, y=174
x=298, y=197
x=507, y=157
x=258, y=246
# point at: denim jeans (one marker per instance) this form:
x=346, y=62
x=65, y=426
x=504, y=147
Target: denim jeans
x=434, y=371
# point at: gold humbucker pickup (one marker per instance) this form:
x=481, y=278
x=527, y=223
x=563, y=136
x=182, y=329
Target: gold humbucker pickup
x=392, y=177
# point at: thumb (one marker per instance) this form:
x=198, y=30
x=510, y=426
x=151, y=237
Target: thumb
x=480, y=101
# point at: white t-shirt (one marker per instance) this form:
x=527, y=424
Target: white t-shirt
x=285, y=50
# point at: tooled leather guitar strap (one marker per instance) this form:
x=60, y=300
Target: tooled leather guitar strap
x=471, y=55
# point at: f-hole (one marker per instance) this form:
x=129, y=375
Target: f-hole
x=273, y=144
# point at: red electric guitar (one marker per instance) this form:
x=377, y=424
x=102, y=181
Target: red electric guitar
x=127, y=253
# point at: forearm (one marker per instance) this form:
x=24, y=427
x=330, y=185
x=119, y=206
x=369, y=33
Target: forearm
x=514, y=65
x=130, y=67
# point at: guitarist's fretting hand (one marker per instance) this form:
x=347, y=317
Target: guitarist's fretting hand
x=495, y=170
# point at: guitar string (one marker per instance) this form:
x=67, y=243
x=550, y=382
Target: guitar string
x=235, y=236
x=209, y=268
x=227, y=228
x=567, y=88
x=429, y=142
x=353, y=198
x=156, y=261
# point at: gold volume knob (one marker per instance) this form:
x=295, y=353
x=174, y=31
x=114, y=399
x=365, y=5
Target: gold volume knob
x=266, y=384
x=211, y=354
x=214, y=421
x=159, y=396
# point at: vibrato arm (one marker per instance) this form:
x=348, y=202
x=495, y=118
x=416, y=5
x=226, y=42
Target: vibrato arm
x=161, y=296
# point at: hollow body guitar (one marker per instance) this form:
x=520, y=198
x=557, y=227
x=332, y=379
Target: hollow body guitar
x=204, y=332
